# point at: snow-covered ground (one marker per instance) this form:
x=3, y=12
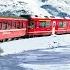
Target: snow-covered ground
x=43, y=53
x=17, y=46
x=47, y=66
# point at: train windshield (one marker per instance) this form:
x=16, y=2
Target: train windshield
x=44, y=23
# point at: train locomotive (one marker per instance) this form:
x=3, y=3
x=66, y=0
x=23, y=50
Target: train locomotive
x=32, y=26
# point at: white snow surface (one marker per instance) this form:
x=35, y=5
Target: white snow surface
x=50, y=44
x=46, y=66
x=21, y=45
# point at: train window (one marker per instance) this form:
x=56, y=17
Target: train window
x=9, y=25
x=13, y=25
x=44, y=23
x=21, y=24
x=54, y=23
x=47, y=23
x=69, y=24
x=18, y=25
x=4, y=25
x=65, y=24
x=62, y=24
x=24, y=25
x=31, y=24
x=0, y=25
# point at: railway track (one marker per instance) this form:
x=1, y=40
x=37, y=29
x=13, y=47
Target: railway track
x=17, y=38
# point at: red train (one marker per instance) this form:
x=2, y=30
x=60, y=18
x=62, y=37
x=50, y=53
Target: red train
x=17, y=27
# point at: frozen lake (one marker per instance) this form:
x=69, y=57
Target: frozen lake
x=46, y=53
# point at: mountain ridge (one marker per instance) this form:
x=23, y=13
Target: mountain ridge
x=48, y=8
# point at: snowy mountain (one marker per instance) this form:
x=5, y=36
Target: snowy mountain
x=18, y=7
x=59, y=8
x=35, y=7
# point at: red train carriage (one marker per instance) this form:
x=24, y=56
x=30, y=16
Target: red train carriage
x=17, y=27
x=44, y=26
x=61, y=26
x=39, y=26
x=12, y=27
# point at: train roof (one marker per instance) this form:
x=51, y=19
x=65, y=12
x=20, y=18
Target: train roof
x=50, y=18
x=12, y=18
x=26, y=17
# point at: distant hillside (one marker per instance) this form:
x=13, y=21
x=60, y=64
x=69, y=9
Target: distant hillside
x=57, y=8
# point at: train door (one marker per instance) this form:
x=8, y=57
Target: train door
x=61, y=26
x=31, y=27
x=1, y=29
x=68, y=26
x=53, y=27
x=0, y=24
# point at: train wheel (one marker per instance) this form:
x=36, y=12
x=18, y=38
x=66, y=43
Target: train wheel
x=4, y=40
x=16, y=38
x=9, y=39
x=1, y=41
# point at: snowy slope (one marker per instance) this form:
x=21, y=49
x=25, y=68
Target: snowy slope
x=55, y=8
x=18, y=7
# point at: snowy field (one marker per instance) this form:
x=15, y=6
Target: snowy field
x=43, y=53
